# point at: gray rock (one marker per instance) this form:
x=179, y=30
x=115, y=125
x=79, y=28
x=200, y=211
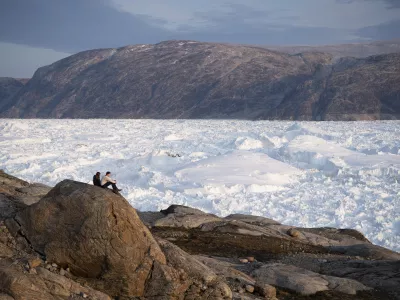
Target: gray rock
x=226, y=269
x=35, y=189
x=255, y=220
x=366, y=250
x=303, y=281
x=9, y=206
x=376, y=274
x=182, y=216
x=10, y=181
x=185, y=221
x=182, y=210
x=150, y=217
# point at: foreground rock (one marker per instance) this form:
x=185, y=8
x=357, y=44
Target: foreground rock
x=23, y=275
x=98, y=236
x=80, y=241
x=304, y=261
x=16, y=194
x=303, y=281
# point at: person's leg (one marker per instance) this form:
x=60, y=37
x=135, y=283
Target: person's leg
x=106, y=185
x=114, y=186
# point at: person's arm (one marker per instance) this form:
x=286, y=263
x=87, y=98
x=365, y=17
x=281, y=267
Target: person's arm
x=109, y=179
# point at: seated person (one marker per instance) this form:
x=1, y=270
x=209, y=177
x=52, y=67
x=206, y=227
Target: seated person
x=96, y=179
x=106, y=181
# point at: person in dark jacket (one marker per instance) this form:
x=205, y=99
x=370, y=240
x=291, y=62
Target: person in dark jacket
x=96, y=179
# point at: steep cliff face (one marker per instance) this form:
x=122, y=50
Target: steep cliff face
x=350, y=89
x=8, y=88
x=184, y=79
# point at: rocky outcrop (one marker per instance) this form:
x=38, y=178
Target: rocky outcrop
x=24, y=275
x=360, y=50
x=186, y=79
x=301, y=260
x=303, y=281
x=80, y=241
x=96, y=234
x=16, y=194
x=99, y=238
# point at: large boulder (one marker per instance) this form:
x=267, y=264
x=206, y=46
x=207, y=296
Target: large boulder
x=98, y=236
x=95, y=233
x=183, y=216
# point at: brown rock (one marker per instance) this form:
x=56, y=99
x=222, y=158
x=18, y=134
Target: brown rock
x=34, y=262
x=5, y=251
x=294, y=233
x=226, y=268
x=250, y=289
x=166, y=283
x=96, y=233
x=266, y=290
x=250, y=259
x=32, y=271
x=202, y=279
x=5, y=297
x=42, y=285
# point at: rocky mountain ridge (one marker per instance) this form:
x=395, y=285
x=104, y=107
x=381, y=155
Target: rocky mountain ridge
x=78, y=241
x=189, y=80
x=358, y=50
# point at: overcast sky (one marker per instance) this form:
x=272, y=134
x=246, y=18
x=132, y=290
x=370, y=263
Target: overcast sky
x=34, y=33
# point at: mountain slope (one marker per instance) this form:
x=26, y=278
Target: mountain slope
x=8, y=88
x=183, y=79
x=359, y=50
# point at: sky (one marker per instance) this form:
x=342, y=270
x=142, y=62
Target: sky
x=34, y=33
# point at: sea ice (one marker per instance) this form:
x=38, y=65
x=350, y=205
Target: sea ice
x=307, y=174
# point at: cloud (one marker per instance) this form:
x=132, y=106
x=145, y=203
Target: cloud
x=74, y=25
x=384, y=31
x=390, y=4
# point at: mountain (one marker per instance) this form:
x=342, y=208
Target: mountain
x=186, y=79
x=8, y=88
x=343, y=50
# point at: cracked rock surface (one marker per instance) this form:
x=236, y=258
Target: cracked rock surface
x=83, y=242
